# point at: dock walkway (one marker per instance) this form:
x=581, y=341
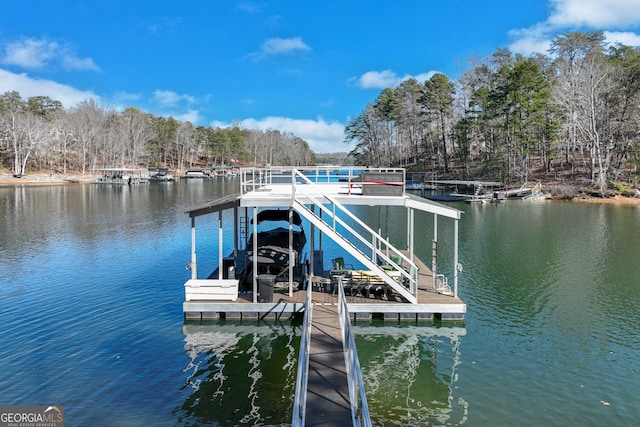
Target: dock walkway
x=327, y=389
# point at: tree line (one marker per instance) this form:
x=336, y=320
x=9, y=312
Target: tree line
x=39, y=134
x=573, y=113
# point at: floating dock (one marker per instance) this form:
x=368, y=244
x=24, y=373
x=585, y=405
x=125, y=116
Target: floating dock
x=321, y=196
x=389, y=282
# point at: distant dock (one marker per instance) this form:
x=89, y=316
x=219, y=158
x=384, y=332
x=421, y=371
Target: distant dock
x=448, y=190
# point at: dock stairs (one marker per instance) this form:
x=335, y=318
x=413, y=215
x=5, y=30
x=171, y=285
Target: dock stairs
x=405, y=280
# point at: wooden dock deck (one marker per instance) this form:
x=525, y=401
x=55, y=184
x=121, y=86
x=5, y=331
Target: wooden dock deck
x=431, y=304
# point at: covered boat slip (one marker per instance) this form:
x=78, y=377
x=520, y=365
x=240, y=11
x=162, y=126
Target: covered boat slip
x=431, y=304
x=389, y=281
x=123, y=176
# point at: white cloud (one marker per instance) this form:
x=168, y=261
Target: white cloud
x=277, y=47
x=535, y=39
x=191, y=115
x=126, y=96
x=169, y=98
x=30, y=53
x=377, y=79
x=72, y=62
x=175, y=105
x=569, y=15
x=530, y=45
x=595, y=13
x=249, y=7
x=34, y=54
x=322, y=136
x=625, y=38
x=29, y=86
x=386, y=79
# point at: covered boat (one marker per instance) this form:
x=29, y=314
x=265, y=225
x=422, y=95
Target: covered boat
x=273, y=247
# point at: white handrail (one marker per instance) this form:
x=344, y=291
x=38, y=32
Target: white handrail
x=357, y=395
x=253, y=178
x=302, y=378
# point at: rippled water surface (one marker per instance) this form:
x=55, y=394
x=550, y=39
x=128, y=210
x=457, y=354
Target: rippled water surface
x=91, y=318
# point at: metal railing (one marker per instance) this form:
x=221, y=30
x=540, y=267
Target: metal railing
x=300, y=396
x=357, y=396
x=255, y=178
x=378, y=246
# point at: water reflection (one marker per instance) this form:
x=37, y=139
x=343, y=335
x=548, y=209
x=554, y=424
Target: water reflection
x=239, y=373
x=410, y=374
x=91, y=292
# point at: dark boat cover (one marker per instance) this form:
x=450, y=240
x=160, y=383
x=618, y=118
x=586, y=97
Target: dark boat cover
x=279, y=215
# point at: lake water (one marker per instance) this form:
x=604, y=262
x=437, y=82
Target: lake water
x=91, y=318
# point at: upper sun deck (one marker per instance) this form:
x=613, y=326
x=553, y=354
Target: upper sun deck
x=348, y=185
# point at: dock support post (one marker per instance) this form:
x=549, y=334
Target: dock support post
x=220, y=248
x=194, y=269
x=291, y=255
x=313, y=244
x=411, y=242
x=413, y=227
x=254, y=272
x=456, y=270
x=320, y=232
x=235, y=233
x=434, y=259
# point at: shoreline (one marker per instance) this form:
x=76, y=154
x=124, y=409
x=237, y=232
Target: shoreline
x=614, y=200
x=8, y=180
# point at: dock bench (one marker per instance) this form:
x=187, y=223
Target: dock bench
x=211, y=290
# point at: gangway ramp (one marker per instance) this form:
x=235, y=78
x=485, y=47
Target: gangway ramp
x=329, y=385
x=327, y=390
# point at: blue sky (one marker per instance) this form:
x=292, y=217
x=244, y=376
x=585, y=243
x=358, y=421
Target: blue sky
x=305, y=67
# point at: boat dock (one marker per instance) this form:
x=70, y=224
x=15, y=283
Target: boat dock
x=448, y=190
x=265, y=281
x=121, y=176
